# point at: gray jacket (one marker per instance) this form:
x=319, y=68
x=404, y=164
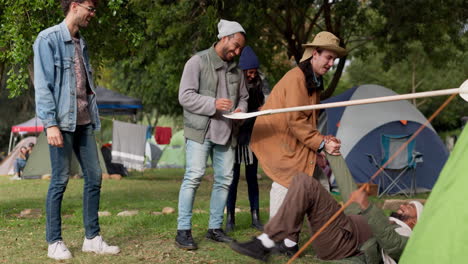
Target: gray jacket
x=199, y=89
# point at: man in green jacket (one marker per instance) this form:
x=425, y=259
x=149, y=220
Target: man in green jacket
x=362, y=234
x=211, y=85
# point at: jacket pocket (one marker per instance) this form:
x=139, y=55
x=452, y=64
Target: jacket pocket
x=233, y=78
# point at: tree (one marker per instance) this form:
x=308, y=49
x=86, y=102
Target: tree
x=438, y=25
x=415, y=69
x=152, y=68
x=281, y=27
x=20, y=22
x=139, y=47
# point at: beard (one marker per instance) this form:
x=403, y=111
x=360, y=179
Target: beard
x=400, y=217
x=226, y=54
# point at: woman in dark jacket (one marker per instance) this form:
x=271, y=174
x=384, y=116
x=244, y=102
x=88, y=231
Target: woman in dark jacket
x=255, y=85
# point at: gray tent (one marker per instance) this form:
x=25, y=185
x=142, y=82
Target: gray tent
x=362, y=129
x=38, y=163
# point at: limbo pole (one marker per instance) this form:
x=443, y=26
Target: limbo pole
x=462, y=91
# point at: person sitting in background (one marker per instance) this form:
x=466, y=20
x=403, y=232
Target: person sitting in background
x=20, y=163
x=30, y=148
x=249, y=63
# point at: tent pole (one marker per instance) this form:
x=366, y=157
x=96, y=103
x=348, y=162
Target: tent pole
x=9, y=145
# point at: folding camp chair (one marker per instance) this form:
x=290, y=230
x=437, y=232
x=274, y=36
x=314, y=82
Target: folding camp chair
x=404, y=163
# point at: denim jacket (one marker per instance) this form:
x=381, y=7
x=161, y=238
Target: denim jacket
x=55, y=81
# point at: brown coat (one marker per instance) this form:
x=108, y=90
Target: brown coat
x=286, y=144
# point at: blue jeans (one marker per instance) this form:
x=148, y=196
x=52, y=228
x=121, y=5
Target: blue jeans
x=196, y=158
x=83, y=143
x=19, y=166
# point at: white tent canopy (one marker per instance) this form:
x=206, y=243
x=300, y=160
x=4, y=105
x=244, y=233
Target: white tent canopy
x=32, y=126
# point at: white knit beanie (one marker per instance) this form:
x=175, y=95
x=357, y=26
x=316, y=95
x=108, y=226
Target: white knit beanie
x=226, y=28
x=419, y=208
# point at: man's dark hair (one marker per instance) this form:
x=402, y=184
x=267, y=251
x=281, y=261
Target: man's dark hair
x=306, y=68
x=400, y=217
x=66, y=4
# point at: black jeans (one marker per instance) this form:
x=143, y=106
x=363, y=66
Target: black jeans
x=252, y=184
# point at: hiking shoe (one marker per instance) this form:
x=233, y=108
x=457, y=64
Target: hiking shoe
x=58, y=251
x=184, y=240
x=253, y=249
x=99, y=246
x=218, y=235
x=281, y=249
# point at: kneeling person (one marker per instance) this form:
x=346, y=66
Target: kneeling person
x=363, y=233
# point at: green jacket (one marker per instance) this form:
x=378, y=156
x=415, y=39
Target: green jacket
x=385, y=237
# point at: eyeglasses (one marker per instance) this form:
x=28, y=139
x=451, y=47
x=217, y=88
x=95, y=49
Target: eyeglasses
x=90, y=8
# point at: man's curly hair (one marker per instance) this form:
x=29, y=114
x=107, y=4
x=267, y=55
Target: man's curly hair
x=66, y=4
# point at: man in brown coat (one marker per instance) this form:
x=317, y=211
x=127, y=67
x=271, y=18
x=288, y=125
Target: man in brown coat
x=287, y=144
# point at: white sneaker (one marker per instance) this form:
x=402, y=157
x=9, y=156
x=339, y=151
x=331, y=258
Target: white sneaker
x=58, y=251
x=16, y=177
x=99, y=246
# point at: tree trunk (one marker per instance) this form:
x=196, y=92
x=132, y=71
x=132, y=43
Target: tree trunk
x=2, y=67
x=31, y=72
x=156, y=118
x=413, y=82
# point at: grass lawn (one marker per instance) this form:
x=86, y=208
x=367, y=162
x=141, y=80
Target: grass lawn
x=144, y=238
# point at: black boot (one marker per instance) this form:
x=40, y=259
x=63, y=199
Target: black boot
x=230, y=221
x=253, y=249
x=282, y=249
x=184, y=240
x=256, y=220
x=218, y=235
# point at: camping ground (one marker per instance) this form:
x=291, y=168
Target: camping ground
x=143, y=238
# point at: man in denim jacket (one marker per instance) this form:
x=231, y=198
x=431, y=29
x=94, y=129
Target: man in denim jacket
x=66, y=105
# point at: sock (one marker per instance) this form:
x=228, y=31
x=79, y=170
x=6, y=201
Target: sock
x=266, y=241
x=289, y=243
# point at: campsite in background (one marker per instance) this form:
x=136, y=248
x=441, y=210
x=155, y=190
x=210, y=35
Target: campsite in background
x=138, y=51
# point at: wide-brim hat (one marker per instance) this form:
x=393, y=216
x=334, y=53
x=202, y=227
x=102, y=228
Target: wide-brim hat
x=324, y=40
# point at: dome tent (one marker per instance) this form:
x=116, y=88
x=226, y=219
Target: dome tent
x=360, y=129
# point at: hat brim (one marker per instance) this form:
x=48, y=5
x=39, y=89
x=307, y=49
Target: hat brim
x=306, y=55
x=341, y=52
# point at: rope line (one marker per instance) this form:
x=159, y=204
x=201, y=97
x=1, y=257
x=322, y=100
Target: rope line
x=366, y=185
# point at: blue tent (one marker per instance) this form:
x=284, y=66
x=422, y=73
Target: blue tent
x=361, y=128
x=113, y=103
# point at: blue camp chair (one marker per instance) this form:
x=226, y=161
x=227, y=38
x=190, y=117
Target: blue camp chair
x=404, y=163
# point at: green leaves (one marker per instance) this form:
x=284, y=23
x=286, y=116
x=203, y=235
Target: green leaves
x=139, y=47
x=20, y=22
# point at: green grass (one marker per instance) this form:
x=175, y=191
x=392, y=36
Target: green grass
x=144, y=238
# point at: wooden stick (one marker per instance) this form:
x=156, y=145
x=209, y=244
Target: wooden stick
x=366, y=186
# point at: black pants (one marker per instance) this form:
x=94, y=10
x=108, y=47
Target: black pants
x=252, y=184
